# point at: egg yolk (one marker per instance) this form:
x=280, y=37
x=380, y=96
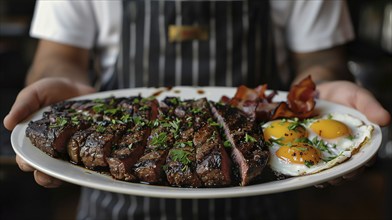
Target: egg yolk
x=300, y=153
x=329, y=128
x=284, y=131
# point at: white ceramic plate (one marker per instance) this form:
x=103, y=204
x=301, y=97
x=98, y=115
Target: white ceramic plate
x=74, y=174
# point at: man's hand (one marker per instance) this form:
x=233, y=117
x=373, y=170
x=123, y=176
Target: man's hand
x=352, y=95
x=35, y=96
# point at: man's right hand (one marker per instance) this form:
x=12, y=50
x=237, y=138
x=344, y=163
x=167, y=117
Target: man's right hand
x=42, y=93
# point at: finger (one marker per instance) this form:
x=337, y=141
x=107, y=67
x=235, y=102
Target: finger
x=371, y=108
x=336, y=182
x=354, y=174
x=45, y=180
x=350, y=94
x=321, y=185
x=23, y=165
x=42, y=93
x=25, y=104
x=371, y=162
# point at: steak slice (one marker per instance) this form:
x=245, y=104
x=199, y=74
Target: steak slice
x=247, y=144
x=181, y=160
x=98, y=145
x=93, y=146
x=213, y=163
x=131, y=146
x=149, y=168
x=76, y=143
x=51, y=134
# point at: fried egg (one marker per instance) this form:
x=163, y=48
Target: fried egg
x=310, y=146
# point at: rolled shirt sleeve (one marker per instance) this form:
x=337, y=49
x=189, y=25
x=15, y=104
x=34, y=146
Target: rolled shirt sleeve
x=316, y=25
x=67, y=22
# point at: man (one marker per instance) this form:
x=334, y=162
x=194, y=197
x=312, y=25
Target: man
x=159, y=43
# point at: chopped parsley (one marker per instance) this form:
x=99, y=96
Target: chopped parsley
x=227, y=144
x=249, y=138
x=111, y=111
x=98, y=108
x=309, y=163
x=351, y=137
x=159, y=140
x=212, y=122
x=318, y=143
x=60, y=122
x=144, y=107
x=175, y=126
x=126, y=118
x=180, y=155
x=100, y=128
x=183, y=144
x=276, y=141
x=75, y=120
x=196, y=110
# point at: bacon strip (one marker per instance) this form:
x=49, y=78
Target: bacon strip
x=258, y=106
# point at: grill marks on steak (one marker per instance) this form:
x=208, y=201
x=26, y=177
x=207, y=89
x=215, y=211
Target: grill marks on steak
x=127, y=151
x=52, y=133
x=247, y=144
x=94, y=146
x=149, y=167
x=180, y=165
x=213, y=163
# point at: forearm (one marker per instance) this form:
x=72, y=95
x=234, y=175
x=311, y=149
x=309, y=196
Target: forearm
x=324, y=65
x=56, y=60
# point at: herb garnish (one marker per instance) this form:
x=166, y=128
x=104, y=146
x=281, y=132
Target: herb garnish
x=227, y=144
x=309, y=163
x=183, y=144
x=276, y=141
x=60, y=122
x=100, y=128
x=159, y=140
x=249, y=138
x=180, y=155
x=211, y=122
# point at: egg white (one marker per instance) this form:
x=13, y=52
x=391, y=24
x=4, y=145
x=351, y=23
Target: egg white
x=338, y=150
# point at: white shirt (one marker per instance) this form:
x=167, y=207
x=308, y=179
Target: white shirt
x=300, y=26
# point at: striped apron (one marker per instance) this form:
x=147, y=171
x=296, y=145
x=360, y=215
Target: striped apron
x=236, y=48
x=199, y=43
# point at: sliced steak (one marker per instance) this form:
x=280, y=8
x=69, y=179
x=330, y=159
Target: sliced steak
x=180, y=165
x=131, y=146
x=213, y=163
x=92, y=146
x=76, y=143
x=52, y=134
x=98, y=145
x=247, y=144
x=149, y=168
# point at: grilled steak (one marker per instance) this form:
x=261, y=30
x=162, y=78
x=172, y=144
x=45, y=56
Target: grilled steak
x=247, y=144
x=111, y=117
x=127, y=151
x=180, y=165
x=149, y=168
x=178, y=143
x=213, y=163
x=76, y=143
x=51, y=134
x=98, y=145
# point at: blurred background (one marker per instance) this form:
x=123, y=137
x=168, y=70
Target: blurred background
x=369, y=196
